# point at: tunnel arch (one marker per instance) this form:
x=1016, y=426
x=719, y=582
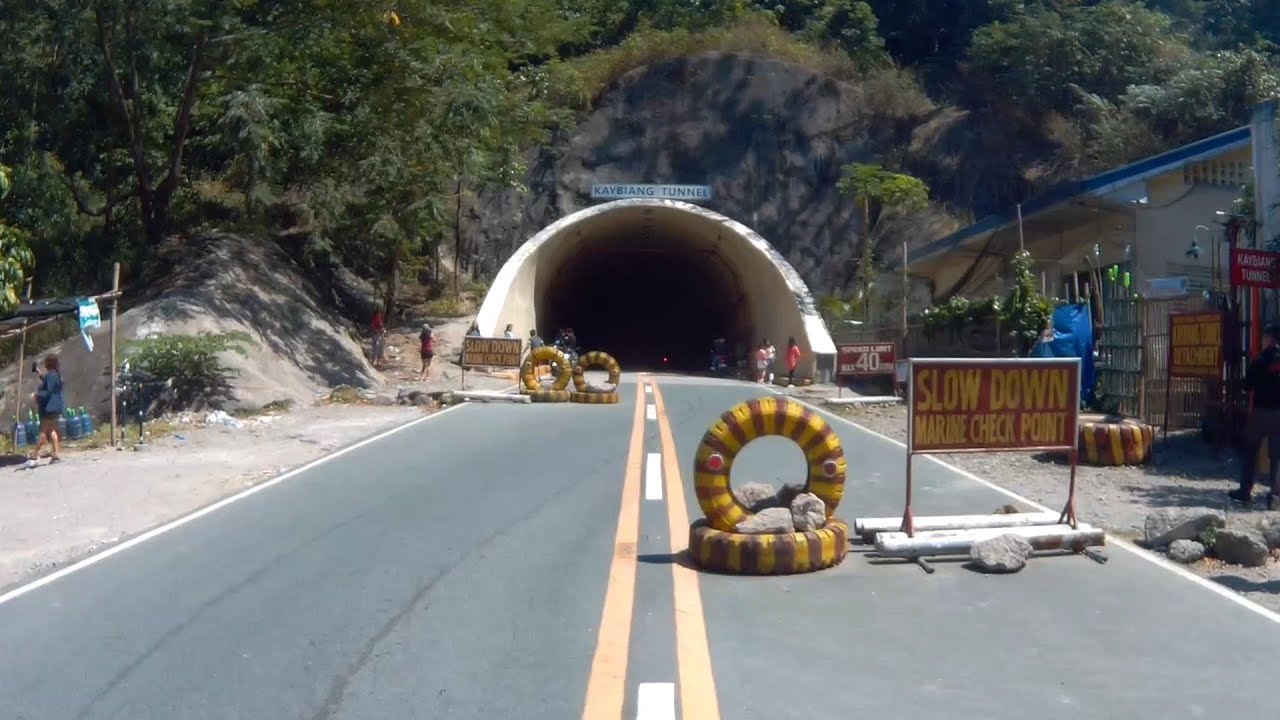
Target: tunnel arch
x=673, y=275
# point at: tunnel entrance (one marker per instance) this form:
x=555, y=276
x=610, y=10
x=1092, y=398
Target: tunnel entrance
x=654, y=283
x=651, y=308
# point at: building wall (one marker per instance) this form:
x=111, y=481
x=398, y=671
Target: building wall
x=1168, y=222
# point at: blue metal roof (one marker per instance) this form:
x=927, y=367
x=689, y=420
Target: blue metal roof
x=1100, y=184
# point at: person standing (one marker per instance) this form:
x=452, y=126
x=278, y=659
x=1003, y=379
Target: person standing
x=426, y=351
x=771, y=361
x=793, y=360
x=510, y=332
x=761, y=358
x=1263, y=424
x=379, y=332
x=48, y=399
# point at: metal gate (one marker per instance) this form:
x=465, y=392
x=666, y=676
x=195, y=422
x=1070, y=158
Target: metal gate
x=1119, y=361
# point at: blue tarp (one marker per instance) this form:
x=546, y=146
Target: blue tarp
x=1072, y=338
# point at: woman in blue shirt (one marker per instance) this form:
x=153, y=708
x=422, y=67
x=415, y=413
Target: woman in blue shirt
x=49, y=399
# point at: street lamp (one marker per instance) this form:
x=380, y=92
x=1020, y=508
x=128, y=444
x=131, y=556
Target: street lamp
x=1193, y=252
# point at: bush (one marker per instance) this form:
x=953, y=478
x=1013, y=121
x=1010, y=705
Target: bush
x=192, y=363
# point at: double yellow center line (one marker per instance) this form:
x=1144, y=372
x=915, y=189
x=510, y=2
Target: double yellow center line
x=607, y=685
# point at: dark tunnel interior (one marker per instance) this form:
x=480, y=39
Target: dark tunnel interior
x=650, y=308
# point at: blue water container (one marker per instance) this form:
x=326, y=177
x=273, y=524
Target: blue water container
x=72, y=424
x=20, y=434
x=62, y=426
x=86, y=423
x=33, y=428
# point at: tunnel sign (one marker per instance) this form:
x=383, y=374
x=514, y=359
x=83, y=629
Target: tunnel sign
x=619, y=191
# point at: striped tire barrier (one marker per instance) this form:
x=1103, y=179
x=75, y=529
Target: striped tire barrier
x=777, y=554
x=545, y=355
x=754, y=419
x=596, y=359
x=549, y=396
x=1115, y=441
x=594, y=398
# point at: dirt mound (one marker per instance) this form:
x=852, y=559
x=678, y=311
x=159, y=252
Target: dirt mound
x=230, y=283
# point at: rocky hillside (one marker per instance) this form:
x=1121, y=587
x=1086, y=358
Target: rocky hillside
x=232, y=283
x=770, y=137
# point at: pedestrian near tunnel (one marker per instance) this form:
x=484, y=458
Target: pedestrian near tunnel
x=48, y=399
x=1263, y=424
x=793, y=360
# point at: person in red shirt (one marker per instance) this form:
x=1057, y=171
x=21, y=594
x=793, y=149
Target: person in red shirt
x=793, y=360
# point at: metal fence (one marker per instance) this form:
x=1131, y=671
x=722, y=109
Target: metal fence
x=1132, y=354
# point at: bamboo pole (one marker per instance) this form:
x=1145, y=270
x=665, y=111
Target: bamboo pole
x=115, y=302
x=17, y=375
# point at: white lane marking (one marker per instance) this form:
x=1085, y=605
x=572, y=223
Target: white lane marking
x=116, y=549
x=648, y=389
x=656, y=701
x=653, y=477
x=1152, y=558
x=650, y=411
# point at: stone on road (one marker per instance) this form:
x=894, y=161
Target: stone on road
x=1002, y=554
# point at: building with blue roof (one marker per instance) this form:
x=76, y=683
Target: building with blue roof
x=1143, y=216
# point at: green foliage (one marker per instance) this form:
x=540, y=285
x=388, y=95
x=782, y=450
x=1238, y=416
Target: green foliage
x=884, y=196
x=125, y=124
x=890, y=192
x=193, y=363
x=15, y=256
x=1023, y=314
x=1039, y=61
x=1026, y=312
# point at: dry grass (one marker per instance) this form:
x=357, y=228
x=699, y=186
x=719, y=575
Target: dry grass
x=594, y=74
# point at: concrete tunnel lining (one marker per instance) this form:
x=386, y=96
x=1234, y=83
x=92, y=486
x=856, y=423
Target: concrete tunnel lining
x=778, y=304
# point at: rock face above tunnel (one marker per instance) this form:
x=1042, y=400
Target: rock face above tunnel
x=769, y=137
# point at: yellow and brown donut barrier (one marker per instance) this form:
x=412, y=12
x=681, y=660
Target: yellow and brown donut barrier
x=1115, y=441
x=584, y=392
x=714, y=542
x=532, y=386
x=588, y=393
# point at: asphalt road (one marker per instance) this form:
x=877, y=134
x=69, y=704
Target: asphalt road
x=459, y=568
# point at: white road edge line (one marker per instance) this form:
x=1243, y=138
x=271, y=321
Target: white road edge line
x=1186, y=574
x=653, y=476
x=656, y=701
x=156, y=532
x=650, y=411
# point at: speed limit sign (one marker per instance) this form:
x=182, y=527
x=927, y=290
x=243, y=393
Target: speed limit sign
x=866, y=359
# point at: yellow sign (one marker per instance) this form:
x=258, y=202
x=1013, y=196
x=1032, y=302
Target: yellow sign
x=492, y=352
x=1195, y=345
x=966, y=405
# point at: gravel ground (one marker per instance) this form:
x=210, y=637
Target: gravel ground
x=1182, y=473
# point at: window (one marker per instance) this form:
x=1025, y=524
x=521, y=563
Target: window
x=1217, y=173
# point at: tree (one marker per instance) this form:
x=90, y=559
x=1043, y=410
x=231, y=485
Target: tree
x=884, y=196
x=15, y=256
x=1035, y=63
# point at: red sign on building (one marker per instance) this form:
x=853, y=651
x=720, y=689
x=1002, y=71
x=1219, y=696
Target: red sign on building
x=863, y=359
x=1255, y=268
